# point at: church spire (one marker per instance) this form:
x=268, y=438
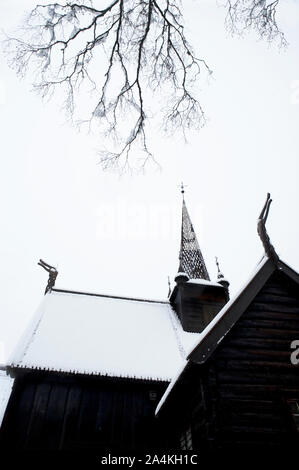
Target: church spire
x=191, y=259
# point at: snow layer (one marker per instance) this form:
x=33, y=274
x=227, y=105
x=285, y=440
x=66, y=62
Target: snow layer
x=204, y=282
x=105, y=336
x=6, y=384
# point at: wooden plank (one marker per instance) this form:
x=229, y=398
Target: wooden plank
x=35, y=438
x=243, y=436
x=251, y=420
x=259, y=378
x=55, y=416
x=69, y=433
x=252, y=354
x=15, y=428
x=116, y=410
x=276, y=289
x=127, y=438
x=276, y=298
x=254, y=365
x=279, y=324
x=254, y=390
x=273, y=307
x=269, y=315
x=275, y=344
x=242, y=332
x=268, y=432
x=244, y=404
x=103, y=419
x=87, y=417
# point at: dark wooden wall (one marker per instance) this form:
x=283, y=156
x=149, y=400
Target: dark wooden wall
x=239, y=398
x=197, y=304
x=59, y=411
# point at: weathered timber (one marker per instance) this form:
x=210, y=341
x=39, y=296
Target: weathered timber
x=64, y=411
x=244, y=372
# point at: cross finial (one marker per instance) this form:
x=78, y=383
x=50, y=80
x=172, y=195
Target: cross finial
x=183, y=186
x=217, y=264
x=219, y=274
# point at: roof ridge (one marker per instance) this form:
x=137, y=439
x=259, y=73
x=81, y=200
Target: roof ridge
x=93, y=294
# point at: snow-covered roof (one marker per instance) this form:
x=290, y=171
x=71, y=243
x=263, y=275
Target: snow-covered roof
x=6, y=384
x=108, y=336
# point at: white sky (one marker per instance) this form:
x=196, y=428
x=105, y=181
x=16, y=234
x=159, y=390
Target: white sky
x=118, y=235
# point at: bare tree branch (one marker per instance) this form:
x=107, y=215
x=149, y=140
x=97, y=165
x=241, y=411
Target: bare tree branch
x=110, y=57
x=258, y=15
x=118, y=53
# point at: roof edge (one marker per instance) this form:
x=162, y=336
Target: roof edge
x=25, y=337
x=86, y=373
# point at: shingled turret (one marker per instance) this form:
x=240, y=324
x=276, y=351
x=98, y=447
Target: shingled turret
x=195, y=298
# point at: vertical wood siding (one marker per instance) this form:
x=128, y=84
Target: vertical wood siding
x=56, y=411
x=238, y=398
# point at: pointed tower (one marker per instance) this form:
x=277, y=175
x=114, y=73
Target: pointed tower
x=191, y=259
x=195, y=298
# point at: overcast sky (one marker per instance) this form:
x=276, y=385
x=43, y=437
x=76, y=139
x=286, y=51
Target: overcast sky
x=120, y=235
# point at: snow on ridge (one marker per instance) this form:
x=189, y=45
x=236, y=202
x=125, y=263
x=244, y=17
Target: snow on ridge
x=110, y=296
x=204, y=282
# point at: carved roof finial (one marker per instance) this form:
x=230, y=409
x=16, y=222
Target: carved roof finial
x=169, y=287
x=182, y=188
x=53, y=273
x=221, y=279
x=262, y=231
x=219, y=274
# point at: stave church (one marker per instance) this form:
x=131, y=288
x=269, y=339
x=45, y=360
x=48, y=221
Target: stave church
x=195, y=372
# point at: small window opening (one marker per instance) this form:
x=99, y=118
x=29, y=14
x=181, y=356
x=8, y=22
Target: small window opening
x=294, y=407
x=186, y=439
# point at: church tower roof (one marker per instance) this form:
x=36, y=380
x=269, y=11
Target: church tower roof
x=191, y=259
